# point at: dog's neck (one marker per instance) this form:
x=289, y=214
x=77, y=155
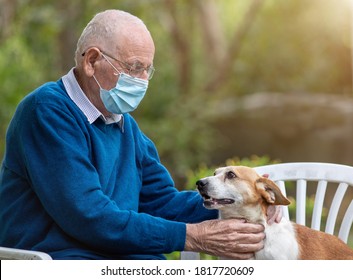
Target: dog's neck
x=252, y=213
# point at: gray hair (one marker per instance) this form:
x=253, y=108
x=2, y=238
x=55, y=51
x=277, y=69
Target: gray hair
x=102, y=31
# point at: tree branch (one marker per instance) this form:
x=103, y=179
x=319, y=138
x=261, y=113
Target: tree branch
x=182, y=47
x=212, y=32
x=224, y=72
x=7, y=14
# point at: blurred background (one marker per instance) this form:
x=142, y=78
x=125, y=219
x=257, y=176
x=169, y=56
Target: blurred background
x=264, y=80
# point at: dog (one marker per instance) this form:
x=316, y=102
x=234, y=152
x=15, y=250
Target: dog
x=239, y=192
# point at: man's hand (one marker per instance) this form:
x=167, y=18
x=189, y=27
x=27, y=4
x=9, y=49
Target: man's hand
x=274, y=214
x=232, y=239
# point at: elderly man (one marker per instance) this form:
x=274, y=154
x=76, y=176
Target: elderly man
x=80, y=180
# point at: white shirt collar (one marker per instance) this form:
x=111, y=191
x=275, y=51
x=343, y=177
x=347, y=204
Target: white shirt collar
x=79, y=97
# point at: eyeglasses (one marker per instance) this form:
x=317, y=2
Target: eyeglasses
x=135, y=70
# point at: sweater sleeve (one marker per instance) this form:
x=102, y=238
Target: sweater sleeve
x=159, y=197
x=58, y=165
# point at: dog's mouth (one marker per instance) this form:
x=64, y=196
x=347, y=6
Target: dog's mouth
x=212, y=202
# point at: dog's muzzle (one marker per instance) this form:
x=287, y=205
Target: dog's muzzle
x=209, y=202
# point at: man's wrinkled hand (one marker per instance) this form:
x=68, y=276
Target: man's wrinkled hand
x=232, y=239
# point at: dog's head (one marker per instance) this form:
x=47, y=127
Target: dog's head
x=238, y=191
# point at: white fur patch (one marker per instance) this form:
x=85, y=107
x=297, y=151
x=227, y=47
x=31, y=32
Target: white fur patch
x=280, y=242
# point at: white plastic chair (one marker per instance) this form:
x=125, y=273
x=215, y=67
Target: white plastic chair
x=301, y=175
x=19, y=254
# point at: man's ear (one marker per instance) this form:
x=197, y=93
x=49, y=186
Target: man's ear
x=270, y=192
x=90, y=57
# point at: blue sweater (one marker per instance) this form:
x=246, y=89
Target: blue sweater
x=80, y=190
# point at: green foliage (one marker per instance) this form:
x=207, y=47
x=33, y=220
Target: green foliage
x=19, y=74
x=283, y=51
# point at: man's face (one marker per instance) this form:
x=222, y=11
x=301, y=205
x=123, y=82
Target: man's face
x=134, y=56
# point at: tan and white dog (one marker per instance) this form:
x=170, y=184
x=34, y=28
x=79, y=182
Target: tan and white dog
x=239, y=192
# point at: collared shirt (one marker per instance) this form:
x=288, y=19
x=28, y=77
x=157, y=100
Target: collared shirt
x=79, y=97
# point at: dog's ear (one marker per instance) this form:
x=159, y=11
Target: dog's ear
x=270, y=192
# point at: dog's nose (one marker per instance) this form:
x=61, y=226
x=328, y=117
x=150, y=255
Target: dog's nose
x=201, y=184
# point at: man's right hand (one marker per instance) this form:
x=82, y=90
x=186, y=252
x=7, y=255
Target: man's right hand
x=231, y=239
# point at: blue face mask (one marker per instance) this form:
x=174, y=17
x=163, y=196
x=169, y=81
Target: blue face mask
x=125, y=96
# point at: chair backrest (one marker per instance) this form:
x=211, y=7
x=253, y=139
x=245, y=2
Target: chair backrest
x=18, y=254
x=323, y=176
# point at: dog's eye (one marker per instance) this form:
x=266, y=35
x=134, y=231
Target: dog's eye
x=230, y=175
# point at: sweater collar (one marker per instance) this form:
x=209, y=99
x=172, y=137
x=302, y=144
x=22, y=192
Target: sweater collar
x=80, y=99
